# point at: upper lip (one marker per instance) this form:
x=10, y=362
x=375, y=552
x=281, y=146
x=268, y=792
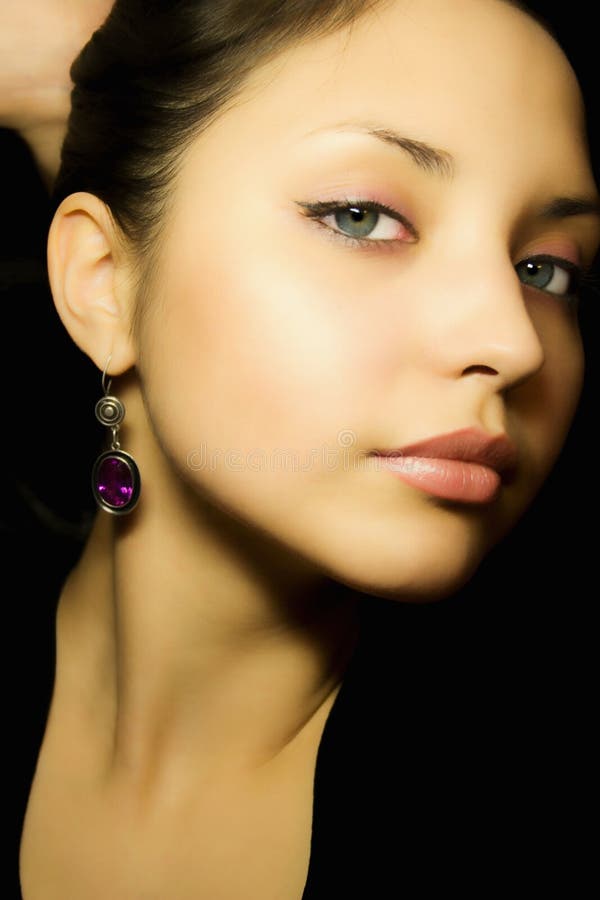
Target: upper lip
x=497, y=451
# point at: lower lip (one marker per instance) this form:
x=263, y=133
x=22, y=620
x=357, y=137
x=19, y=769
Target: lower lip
x=451, y=479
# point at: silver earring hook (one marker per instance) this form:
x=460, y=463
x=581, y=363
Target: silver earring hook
x=106, y=387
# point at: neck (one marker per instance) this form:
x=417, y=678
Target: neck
x=45, y=141
x=199, y=646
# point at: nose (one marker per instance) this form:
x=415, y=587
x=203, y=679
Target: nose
x=479, y=320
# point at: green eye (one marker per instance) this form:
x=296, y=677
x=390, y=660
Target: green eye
x=551, y=274
x=357, y=221
x=361, y=222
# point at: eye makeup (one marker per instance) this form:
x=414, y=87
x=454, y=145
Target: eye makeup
x=577, y=277
x=535, y=266
x=357, y=211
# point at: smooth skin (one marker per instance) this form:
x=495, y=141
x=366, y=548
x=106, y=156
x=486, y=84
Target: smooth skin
x=202, y=641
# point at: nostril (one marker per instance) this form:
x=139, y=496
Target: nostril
x=486, y=370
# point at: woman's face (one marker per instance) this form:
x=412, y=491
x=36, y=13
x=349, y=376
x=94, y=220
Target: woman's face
x=279, y=354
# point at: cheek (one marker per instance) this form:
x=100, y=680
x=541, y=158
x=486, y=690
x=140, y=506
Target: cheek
x=547, y=404
x=254, y=351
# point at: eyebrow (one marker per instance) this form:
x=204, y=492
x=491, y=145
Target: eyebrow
x=441, y=162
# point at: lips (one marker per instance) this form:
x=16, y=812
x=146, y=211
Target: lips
x=497, y=452
x=465, y=466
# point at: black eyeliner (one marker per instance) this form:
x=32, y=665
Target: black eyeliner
x=579, y=277
x=320, y=208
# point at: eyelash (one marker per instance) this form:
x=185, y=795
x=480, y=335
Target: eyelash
x=320, y=209
x=580, y=278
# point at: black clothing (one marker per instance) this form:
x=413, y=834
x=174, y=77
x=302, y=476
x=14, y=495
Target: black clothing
x=435, y=772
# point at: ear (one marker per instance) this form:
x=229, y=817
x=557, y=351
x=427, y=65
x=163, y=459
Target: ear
x=90, y=281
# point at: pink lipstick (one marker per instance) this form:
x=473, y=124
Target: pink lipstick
x=468, y=465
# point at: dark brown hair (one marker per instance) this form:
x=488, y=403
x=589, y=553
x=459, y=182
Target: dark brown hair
x=150, y=80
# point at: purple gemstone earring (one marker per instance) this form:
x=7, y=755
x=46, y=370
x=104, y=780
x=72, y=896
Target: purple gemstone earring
x=116, y=482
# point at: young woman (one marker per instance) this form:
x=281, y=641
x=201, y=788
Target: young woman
x=326, y=260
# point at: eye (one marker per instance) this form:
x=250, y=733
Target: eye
x=551, y=274
x=361, y=222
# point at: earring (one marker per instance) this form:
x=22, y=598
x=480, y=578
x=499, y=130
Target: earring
x=116, y=482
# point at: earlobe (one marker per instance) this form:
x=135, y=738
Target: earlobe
x=92, y=302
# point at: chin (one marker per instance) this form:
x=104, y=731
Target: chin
x=418, y=563
x=426, y=587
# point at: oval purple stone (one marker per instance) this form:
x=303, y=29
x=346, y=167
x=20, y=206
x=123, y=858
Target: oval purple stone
x=115, y=481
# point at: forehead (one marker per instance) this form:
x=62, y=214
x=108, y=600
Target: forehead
x=469, y=75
